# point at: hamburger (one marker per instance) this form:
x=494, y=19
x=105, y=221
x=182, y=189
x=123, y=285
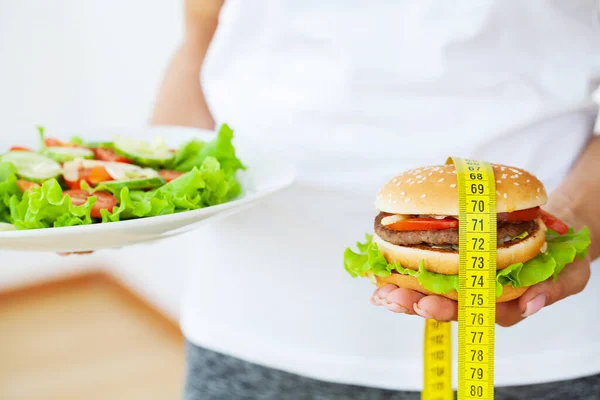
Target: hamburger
x=415, y=240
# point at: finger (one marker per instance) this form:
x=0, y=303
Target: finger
x=437, y=307
x=572, y=280
x=401, y=300
x=381, y=293
x=509, y=313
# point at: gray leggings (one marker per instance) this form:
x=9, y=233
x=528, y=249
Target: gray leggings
x=214, y=376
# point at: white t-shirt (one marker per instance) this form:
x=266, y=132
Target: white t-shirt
x=354, y=93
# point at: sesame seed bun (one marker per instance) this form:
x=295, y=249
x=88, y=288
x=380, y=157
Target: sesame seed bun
x=446, y=262
x=433, y=190
x=410, y=282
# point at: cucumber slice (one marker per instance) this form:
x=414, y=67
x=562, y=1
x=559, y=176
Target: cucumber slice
x=64, y=154
x=33, y=167
x=101, y=145
x=5, y=227
x=155, y=154
x=122, y=171
x=132, y=184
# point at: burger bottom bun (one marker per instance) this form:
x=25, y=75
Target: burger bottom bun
x=410, y=282
x=446, y=262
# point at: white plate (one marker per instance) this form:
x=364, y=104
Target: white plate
x=265, y=175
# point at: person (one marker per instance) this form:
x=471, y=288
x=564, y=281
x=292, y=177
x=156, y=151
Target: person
x=353, y=94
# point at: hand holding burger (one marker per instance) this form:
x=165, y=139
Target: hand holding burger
x=413, y=254
x=572, y=281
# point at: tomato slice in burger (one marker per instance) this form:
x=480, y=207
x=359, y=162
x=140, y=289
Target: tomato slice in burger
x=104, y=201
x=26, y=185
x=529, y=214
x=424, y=224
x=103, y=154
x=169, y=175
x=554, y=223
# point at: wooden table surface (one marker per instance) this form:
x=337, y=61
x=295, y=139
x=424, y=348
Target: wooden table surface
x=86, y=337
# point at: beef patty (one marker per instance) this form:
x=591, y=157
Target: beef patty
x=445, y=236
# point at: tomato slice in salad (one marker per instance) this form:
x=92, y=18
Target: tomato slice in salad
x=169, y=175
x=105, y=201
x=20, y=148
x=51, y=142
x=26, y=185
x=104, y=154
x=96, y=175
x=73, y=185
x=554, y=223
x=92, y=176
x=424, y=224
x=528, y=214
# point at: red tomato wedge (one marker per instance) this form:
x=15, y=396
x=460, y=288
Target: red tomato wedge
x=169, y=175
x=26, y=185
x=109, y=155
x=105, y=201
x=519, y=216
x=95, y=175
x=51, y=142
x=73, y=185
x=20, y=148
x=554, y=223
x=92, y=176
x=424, y=224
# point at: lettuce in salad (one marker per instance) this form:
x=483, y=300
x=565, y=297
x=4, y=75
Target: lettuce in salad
x=40, y=207
x=8, y=189
x=46, y=206
x=562, y=250
x=196, y=151
x=77, y=140
x=201, y=187
x=209, y=179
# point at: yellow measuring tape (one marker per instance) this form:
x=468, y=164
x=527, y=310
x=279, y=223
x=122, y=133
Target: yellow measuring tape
x=476, y=296
x=437, y=361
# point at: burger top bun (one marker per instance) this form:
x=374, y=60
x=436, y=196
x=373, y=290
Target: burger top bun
x=434, y=191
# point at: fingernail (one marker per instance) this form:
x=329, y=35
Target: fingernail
x=534, y=305
x=397, y=308
x=384, y=291
x=422, y=312
x=373, y=301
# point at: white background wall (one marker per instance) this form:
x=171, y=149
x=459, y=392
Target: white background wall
x=72, y=65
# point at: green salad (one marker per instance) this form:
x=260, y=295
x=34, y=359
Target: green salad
x=80, y=183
